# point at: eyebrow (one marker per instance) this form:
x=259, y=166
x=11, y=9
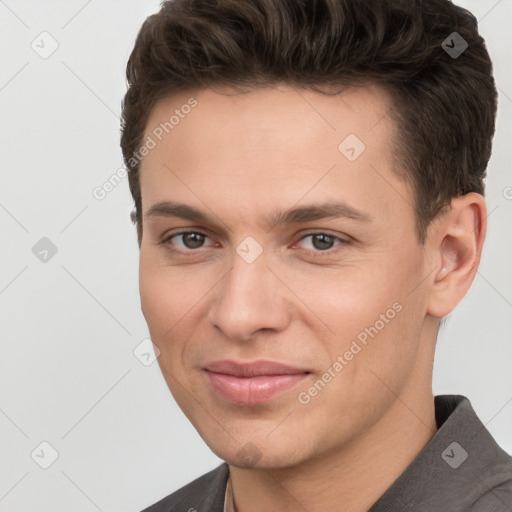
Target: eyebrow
x=307, y=213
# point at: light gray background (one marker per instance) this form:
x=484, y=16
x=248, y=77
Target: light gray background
x=69, y=326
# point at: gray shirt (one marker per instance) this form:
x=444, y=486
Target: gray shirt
x=462, y=469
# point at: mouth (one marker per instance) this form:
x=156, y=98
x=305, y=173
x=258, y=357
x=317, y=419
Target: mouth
x=254, y=382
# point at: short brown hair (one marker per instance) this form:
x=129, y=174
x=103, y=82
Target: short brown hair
x=444, y=106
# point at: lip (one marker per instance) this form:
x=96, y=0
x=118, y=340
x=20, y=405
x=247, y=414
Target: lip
x=252, y=382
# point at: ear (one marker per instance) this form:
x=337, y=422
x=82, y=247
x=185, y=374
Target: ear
x=457, y=242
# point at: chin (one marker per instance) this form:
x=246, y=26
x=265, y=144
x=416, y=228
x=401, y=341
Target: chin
x=252, y=455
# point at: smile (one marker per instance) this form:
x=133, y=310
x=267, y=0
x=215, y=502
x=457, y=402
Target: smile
x=252, y=383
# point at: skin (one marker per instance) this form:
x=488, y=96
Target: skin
x=240, y=158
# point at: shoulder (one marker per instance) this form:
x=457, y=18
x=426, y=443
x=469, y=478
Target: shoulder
x=494, y=484
x=461, y=468
x=479, y=473
x=495, y=499
x=203, y=493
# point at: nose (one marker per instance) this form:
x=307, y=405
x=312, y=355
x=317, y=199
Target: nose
x=250, y=298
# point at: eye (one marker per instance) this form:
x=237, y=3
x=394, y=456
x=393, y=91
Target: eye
x=187, y=240
x=191, y=241
x=321, y=242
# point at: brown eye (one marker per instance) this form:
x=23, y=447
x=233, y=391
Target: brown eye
x=192, y=240
x=186, y=240
x=321, y=242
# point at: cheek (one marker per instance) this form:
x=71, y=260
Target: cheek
x=367, y=315
x=380, y=332
x=164, y=298
x=164, y=307
x=163, y=290
x=341, y=301
x=157, y=303
x=172, y=300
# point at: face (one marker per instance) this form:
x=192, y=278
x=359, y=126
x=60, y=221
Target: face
x=280, y=271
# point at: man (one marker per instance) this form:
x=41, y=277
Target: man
x=308, y=188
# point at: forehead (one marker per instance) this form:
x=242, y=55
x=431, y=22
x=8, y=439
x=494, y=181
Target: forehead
x=271, y=108
x=273, y=144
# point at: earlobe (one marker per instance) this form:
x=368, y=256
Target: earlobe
x=458, y=242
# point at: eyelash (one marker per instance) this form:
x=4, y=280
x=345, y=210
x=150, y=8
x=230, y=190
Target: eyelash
x=314, y=253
